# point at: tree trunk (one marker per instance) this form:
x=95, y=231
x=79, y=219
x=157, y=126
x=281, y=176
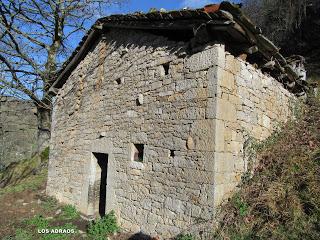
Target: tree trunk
x=44, y=126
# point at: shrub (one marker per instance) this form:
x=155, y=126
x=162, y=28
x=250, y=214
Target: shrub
x=104, y=226
x=240, y=205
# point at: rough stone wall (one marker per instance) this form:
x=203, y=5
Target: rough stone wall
x=97, y=111
x=18, y=130
x=193, y=120
x=249, y=105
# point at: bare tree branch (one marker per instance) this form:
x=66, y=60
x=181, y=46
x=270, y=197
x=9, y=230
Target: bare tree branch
x=35, y=37
x=277, y=18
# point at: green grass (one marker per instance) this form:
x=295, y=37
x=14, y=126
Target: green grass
x=31, y=174
x=69, y=212
x=62, y=236
x=38, y=222
x=240, y=205
x=32, y=225
x=22, y=234
x=33, y=182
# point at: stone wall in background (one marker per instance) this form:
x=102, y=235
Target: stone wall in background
x=18, y=130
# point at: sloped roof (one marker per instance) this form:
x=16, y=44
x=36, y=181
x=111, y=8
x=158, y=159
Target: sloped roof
x=224, y=22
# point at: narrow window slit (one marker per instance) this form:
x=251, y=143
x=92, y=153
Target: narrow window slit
x=138, y=150
x=166, y=67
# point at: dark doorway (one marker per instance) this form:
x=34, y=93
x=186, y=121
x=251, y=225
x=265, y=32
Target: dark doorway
x=102, y=159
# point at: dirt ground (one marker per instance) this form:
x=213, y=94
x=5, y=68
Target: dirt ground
x=18, y=206
x=15, y=207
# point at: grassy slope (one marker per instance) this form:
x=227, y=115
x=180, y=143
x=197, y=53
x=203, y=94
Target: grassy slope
x=282, y=199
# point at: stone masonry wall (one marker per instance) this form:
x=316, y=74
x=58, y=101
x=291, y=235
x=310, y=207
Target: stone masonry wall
x=249, y=105
x=191, y=112
x=18, y=130
x=97, y=111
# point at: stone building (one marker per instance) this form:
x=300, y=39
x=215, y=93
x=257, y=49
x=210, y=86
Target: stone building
x=152, y=113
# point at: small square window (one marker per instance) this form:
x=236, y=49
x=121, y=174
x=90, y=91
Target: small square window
x=172, y=153
x=137, y=152
x=118, y=81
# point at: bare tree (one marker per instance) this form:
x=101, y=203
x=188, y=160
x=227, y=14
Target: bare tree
x=35, y=38
x=277, y=18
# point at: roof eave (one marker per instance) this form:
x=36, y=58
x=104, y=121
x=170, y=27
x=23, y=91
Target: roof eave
x=84, y=49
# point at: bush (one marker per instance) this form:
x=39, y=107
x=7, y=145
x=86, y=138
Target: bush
x=101, y=228
x=240, y=205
